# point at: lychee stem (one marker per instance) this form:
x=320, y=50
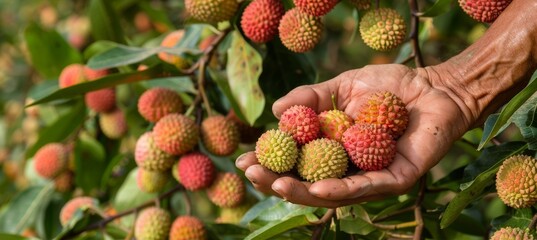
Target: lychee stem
x=201, y=88
x=334, y=101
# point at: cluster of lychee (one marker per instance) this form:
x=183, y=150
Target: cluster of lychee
x=52, y=162
x=320, y=145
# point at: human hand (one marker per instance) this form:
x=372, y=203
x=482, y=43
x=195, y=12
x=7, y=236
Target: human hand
x=436, y=119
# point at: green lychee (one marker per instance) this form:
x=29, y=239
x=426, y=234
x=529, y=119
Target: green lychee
x=516, y=181
x=321, y=159
x=113, y=124
x=153, y=223
x=151, y=181
x=382, y=29
x=300, y=32
x=277, y=151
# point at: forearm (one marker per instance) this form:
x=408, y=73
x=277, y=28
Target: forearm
x=497, y=66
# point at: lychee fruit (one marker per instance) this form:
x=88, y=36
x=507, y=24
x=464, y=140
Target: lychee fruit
x=277, y=151
x=50, y=160
x=153, y=223
x=93, y=74
x=227, y=190
x=301, y=122
x=232, y=215
x=516, y=181
x=196, y=171
x=299, y=31
x=176, y=134
x=113, y=124
x=156, y=103
x=387, y=110
x=315, y=7
x=370, y=147
x=248, y=134
x=148, y=156
x=71, y=75
x=220, y=135
x=187, y=228
x=361, y=4
x=334, y=123
x=69, y=209
x=321, y=159
x=507, y=233
x=170, y=41
x=261, y=18
x=211, y=11
x=151, y=181
x=484, y=10
x=103, y=100
x=64, y=181
x=382, y=29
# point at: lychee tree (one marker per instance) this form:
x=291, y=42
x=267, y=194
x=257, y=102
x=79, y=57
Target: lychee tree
x=123, y=119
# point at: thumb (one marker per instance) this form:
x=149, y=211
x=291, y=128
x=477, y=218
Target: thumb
x=316, y=96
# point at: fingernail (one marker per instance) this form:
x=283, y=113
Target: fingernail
x=239, y=162
x=277, y=188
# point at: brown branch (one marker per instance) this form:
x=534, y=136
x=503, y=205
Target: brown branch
x=408, y=59
x=417, y=209
x=396, y=226
x=325, y=219
x=208, y=52
x=201, y=88
x=533, y=223
x=399, y=235
x=414, y=33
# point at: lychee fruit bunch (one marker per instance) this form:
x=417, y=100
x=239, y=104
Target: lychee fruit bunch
x=277, y=151
x=370, y=147
x=187, y=228
x=50, y=160
x=516, y=181
x=170, y=41
x=227, y=190
x=382, y=29
x=69, y=209
x=176, y=134
x=386, y=110
x=321, y=159
x=148, y=156
x=261, y=18
x=156, y=103
x=113, y=124
x=334, y=123
x=211, y=11
x=153, y=223
x=299, y=31
x=301, y=122
x=219, y=135
x=507, y=233
x=151, y=181
x=484, y=10
x=196, y=171
x=316, y=8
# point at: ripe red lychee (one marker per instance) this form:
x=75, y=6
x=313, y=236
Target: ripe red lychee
x=261, y=18
x=176, y=134
x=334, y=123
x=156, y=103
x=301, y=122
x=196, y=171
x=71, y=75
x=299, y=31
x=103, y=100
x=484, y=10
x=220, y=135
x=315, y=7
x=70, y=208
x=386, y=110
x=227, y=190
x=187, y=228
x=370, y=147
x=50, y=160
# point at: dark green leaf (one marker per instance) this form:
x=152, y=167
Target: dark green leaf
x=490, y=157
x=355, y=220
x=23, y=209
x=525, y=120
x=105, y=22
x=180, y=84
x=275, y=228
x=121, y=55
x=440, y=7
x=6, y=236
x=226, y=231
x=259, y=208
x=90, y=163
x=520, y=219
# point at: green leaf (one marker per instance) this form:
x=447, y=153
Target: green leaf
x=129, y=195
x=6, y=236
x=277, y=227
x=244, y=67
x=104, y=21
x=525, y=120
x=59, y=130
x=520, y=219
x=46, y=45
x=226, y=231
x=156, y=15
x=440, y=7
x=354, y=219
x=90, y=163
x=180, y=84
x=121, y=55
x=98, y=47
x=259, y=208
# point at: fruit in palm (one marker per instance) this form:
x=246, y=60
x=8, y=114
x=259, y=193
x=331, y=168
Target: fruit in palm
x=370, y=147
x=170, y=41
x=211, y=11
x=227, y=190
x=148, y=156
x=153, y=223
x=361, y=4
x=72, y=206
x=113, y=124
x=301, y=122
x=187, y=228
x=484, y=10
x=382, y=29
x=176, y=134
x=196, y=171
x=321, y=159
x=516, y=181
x=50, y=160
x=277, y=151
x=156, y=103
x=387, y=110
x=315, y=7
x=219, y=135
x=299, y=31
x=151, y=181
x=261, y=18
x=248, y=134
x=334, y=123
x=507, y=233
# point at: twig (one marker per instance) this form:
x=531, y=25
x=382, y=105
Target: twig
x=325, y=219
x=395, y=213
x=208, y=52
x=496, y=142
x=396, y=226
x=417, y=210
x=201, y=88
x=533, y=222
x=399, y=235
x=414, y=33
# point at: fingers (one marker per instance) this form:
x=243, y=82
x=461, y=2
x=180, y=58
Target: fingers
x=317, y=97
x=260, y=177
x=246, y=160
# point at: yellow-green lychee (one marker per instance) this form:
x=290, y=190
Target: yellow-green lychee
x=516, y=181
x=382, y=29
x=321, y=159
x=187, y=228
x=148, y=156
x=385, y=109
x=153, y=223
x=151, y=181
x=277, y=151
x=211, y=11
x=227, y=190
x=334, y=123
x=220, y=135
x=300, y=32
x=113, y=124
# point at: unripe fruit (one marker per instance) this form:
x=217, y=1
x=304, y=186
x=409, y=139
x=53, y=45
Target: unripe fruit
x=196, y=171
x=301, y=122
x=321, y=159
x=170, y=41
x=70, y=208
x=176, y=134
x=508, y=233
x=315, y=7
x=187, y=228
x=299, y=31
x=101, y=101
x=277, y=151
x=151, y=181
x=261, y=18
x=382, y=29
x=64, y=181
x=50, y=160
x=334, y=123
x=220, y=135
x=71, y=75
x=153, y=223
x=248, y=134
x=113, y=124
x=484, y=10
x=156, y=103
x=387, y=110
x=227, y=190
x=233, y=215
x=369, y=147
x=211, y=11
x=361, y=4
x=148, y=156
x=516, y=181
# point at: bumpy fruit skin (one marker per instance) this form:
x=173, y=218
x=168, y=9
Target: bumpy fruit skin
x=196, y=171
x=211, y=11
x=151, y=181
x=248, y=134
x=64, y=181
x=361, y=4
x=516, y=181
x=299, y=31
x=220, y=135
x=103, y=100
x=387, y=110
x=509, y=233
x=315, y=7
x=334, y=123
x=71, y=75
x=156, y=103
x=50, y=160
x=382, y=29
x=170, y=41
x=484, y=10
x=321, y=159
x=369, y=147
x=70, y=208
x=152, y=224
x=148, y=156
x=227, y=190
x=301, y=122
x=261, y=18
x=277, y=151
x=187, y=228
x=113, y=124
x=176, y=134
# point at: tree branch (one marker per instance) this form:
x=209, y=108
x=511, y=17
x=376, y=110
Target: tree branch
x=417, y=209
x=414, y=33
